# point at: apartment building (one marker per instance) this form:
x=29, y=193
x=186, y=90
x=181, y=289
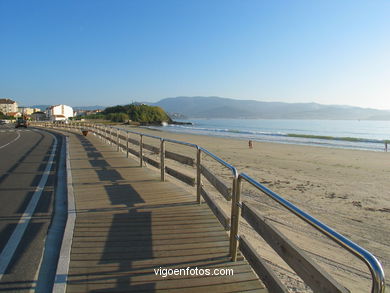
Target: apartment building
x=8, y=106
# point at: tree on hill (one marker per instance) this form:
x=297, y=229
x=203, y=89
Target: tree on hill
x=118, y=117
x=138, y=113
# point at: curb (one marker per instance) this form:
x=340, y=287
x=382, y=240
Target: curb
x=66, y=246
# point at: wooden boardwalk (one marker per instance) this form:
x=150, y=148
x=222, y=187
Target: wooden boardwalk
x=129, y=223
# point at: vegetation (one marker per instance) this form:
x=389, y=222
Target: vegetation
x=118, y=117
x=97, y=116
x=3, y=116
x=143, y=114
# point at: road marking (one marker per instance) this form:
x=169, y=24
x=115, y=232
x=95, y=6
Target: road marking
x=13, y=242
x=15, y=139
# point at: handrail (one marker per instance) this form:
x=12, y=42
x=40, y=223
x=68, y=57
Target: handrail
x=376, y=270
x=218, y=159
x=229, y=166
x=199, y=151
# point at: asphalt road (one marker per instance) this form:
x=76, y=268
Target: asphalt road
x=24, y=156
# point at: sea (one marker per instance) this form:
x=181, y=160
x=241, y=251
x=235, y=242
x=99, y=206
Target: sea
x=346, y=134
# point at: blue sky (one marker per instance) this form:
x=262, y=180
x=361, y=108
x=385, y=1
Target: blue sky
x=110, y=52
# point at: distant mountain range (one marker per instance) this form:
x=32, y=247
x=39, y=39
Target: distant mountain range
x=216, y=107
x=89, y=108
x=42, y=107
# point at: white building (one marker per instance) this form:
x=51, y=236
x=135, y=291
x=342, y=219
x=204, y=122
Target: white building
x=27, y=111
x=8, y=106
x=59, y=112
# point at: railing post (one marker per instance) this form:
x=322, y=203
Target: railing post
x=162, y=159
x=141, y=153
x=117, y=140
x=127, y=144
x=198, y=175
x=235, y=217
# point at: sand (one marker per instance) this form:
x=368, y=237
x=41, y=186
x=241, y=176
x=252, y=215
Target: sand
x=348, y=190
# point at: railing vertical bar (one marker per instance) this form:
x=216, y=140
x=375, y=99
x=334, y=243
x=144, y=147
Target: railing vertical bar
x=141, y=152
x=117, y=140
x=235, y=218
x=198, y=175
x=162, y=159
x=127, y=144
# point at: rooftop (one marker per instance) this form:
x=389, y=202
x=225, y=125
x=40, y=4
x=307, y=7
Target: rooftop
x=7, y=101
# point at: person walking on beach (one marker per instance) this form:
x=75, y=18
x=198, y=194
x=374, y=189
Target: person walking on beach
x=250, y=144
x=386, y=146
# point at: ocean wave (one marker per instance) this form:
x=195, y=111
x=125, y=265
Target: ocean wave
x=298, y=137
x=229, y=130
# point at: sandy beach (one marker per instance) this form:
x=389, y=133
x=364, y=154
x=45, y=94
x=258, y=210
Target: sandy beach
x=349, y=190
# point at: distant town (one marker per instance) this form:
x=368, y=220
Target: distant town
x=9, y=110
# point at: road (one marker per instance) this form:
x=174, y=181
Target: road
x=28, y=161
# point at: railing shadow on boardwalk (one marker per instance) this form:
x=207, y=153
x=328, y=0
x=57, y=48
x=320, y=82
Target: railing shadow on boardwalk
x=129, y=254
x=123, y=244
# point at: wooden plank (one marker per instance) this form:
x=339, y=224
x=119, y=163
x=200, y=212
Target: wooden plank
x=219, y=213
x=182, y=177
x=134, y=152
x=169, y=285
x=250, y=286
x=121, y=145
x=180, y=158
x=142, y=253
x=239, y=266
x=149, y=147
x=122, y=137
x=265, y=273
x=151, y=162
x=217, y=183
x=315, y=277
x=133, y=141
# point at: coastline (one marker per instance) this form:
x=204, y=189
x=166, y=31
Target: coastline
x=347, y=134
x=347, y=189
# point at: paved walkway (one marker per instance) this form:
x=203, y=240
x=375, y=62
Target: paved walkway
x=129, y=224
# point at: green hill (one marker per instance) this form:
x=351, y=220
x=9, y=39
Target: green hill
x=140, y=113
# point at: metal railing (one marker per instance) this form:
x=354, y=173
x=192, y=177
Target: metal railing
x=199, y=152
x=376, y=270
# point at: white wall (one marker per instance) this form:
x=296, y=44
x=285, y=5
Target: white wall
x=67, y=111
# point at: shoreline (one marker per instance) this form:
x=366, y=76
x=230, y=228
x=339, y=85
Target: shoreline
x=342, y=142
x=346, y=189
